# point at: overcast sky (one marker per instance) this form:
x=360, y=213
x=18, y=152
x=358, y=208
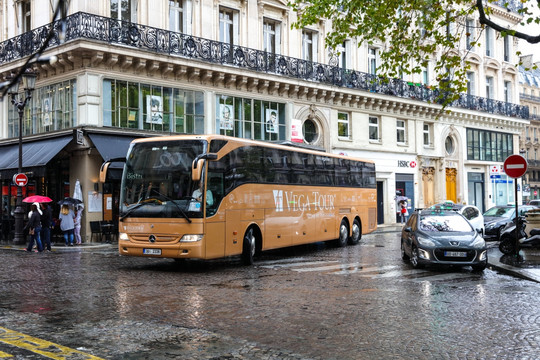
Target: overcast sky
x=531, y=29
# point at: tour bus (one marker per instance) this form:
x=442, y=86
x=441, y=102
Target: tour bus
x=213, y=196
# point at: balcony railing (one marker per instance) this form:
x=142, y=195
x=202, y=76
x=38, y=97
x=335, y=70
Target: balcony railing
x=93, y=27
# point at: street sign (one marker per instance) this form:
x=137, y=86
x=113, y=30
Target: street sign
x=20, y=179
x=515, y=166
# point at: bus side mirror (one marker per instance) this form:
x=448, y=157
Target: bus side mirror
x=196, y=169
x=105, y=167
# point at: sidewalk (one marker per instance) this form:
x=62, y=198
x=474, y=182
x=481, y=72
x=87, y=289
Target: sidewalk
x=528, y=268
x=59, y=247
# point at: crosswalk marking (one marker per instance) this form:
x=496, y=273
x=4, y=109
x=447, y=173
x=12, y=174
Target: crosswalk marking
x=334, y=267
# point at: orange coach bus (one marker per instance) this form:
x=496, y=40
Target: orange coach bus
x=213, y=196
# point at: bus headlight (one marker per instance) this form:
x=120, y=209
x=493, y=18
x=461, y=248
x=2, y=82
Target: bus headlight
x=123, y=237
x=191, y=238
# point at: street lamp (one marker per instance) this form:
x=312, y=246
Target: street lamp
x=28, y=82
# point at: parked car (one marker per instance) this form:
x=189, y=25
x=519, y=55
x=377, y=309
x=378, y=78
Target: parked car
x=496, y=218
x=435, y=236
x=469, y=212
x=534, y=202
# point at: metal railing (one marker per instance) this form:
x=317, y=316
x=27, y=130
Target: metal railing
x=93, y=27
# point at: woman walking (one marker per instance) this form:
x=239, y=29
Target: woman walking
x=34, y=228
x=66, y=224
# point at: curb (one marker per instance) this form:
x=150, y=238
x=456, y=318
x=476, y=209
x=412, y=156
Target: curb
x=494, y=256
x=62, y=248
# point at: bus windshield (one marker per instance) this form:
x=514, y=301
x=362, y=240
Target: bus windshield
x=157, y=180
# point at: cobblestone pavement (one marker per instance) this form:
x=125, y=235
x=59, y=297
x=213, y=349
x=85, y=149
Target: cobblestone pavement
x=308, y=302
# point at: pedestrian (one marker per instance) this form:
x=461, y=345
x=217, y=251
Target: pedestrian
x=77, y=228
x=46, y=224
x=403, y=211
x=33, y=226
x=67, y=224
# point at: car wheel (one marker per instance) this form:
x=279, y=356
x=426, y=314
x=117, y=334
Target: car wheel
x=414, y=258
x=356, y=233
x=479, y=267
x=343, y=234
x=404, y=255
x=248, y=251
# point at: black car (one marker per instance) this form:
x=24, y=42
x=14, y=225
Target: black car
x=437, y=236
x=496, y=218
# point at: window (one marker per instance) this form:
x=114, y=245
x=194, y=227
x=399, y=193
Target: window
x=425, y=75
x=470, y=84
x=309, y=45
x=372, y=61
x=489, y=87
x=427, y=134
x=489, y=42
x=310, y=131
x=343, y=126
x=271, y=36
x=152, y=107
x=470, y=33
x=125, y=10
x=53, y=107
x=401, y=131
x=449, y=145
x=343, y=55
x=228, y=26
x=488, y=145
x=507, y=42
x=507, y=91
x=25, y=16
x=250, y=118
x=374, y=128
x=180, y=16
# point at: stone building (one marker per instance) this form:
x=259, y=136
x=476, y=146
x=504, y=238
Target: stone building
x=529, y=81
x=134, y=68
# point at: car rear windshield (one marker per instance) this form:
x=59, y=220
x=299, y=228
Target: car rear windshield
x=506, y=212
x=440, y=223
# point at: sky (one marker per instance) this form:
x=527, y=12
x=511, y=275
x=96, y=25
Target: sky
x=531, y=29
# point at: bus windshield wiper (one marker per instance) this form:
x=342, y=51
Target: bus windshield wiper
x=182, y=212
x=136, y=206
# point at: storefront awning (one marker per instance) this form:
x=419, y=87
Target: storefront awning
x=35, y=154
x=111, y=146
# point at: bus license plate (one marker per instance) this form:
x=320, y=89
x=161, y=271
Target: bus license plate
x=152, y=251
x=455, y=254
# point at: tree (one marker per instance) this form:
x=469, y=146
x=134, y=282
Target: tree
x=411, y=34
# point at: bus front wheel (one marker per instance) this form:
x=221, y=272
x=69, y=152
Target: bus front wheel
x=343, y=234
x=248, y=249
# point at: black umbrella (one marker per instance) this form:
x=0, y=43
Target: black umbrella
x=69, y=201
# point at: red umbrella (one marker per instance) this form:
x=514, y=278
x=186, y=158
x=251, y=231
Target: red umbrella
x=37, y=198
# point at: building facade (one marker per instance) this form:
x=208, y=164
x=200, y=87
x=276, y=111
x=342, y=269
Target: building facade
x=529, y=80
x=138, y=68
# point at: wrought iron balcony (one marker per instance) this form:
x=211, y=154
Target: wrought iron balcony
x=93, y=27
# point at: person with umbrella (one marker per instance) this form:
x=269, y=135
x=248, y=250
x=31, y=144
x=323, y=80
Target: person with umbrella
x=46, y=221
x=67, y=224
x=34, y=228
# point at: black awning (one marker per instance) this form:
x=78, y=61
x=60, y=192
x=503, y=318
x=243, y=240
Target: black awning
x=111, y=146
x=35, y=154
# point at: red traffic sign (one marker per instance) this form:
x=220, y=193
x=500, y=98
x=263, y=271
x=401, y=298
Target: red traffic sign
x=20, y=179
x=515, y=166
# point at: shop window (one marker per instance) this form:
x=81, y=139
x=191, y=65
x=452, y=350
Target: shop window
x=250, y=118
x=149, y=107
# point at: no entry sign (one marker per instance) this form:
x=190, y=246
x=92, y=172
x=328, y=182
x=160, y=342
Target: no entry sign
x=20, y=179
x=515, y=166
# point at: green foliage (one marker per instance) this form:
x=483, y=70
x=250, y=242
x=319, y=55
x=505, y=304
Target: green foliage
x=408, y=34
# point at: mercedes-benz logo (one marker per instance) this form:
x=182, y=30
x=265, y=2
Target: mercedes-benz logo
x=152, y=238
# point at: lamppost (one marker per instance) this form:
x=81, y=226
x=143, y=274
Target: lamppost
x=28, y=81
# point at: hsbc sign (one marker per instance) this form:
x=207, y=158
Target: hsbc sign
x=406, y=164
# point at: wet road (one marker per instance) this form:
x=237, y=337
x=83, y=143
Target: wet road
x=309, y=302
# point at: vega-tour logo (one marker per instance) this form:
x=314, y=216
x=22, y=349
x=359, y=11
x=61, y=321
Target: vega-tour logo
x=302, y=202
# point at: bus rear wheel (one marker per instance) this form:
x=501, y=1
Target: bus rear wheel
x=356, y=233
x=343, y=234
x=248, y=248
